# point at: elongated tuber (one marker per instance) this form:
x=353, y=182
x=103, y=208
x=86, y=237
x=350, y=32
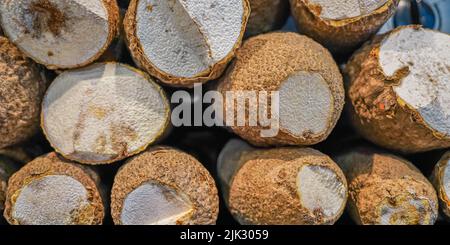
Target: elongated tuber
x=387, y=190
x=52, y=191
x=281, y=186
x=399, y=90
x=341, y=26
x=61, y=34
x=104, y=113
x=22, y=87
x=310, y=86
x=185, y=42
x=163, y=186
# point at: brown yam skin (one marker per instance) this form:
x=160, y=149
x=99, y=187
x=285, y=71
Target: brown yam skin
x=266, y=16
x=377, y=112
x=375, y=180
x=264, y=190
x=339, y=36
x=21, y=91
x=52, y=164
x=264, y=62
x=437, y=179
x=173, y=168
x=144, y=63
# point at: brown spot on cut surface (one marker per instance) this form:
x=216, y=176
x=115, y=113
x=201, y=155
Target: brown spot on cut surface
x=120, y=137
x=98, y=112
x=46, y=18
x=100, y=143
x=150, y=8
x=50, y=53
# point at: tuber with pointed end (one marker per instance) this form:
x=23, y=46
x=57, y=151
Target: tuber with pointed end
x=266, y=16
x=441, y=180
x=104, y=113
x=311, y=89
x=164, y=186
x=185, y=42
x=61, y=34
x=22, y=87
x=52, y=191
x=282, y=186
x=341, y=26
x=387, y=190
x=399, y=90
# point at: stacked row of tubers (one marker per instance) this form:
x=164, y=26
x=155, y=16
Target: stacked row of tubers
x=97, y=108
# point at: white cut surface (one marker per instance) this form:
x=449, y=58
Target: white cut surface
x=103, y=112
x=320, y=189
x=306, y=104
x=51, y=200
x=427, y=86
x=183, y=37
x=345, y=9
x=154, y=204
x=37, y=29
x=446, y=179
x=228, y=161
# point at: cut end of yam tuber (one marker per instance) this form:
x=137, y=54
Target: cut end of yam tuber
x=307, y=78
x=61, y=34
x=163, y=186
x=341, y=26
x=441, y=180
x=281, y=186
x=400, y=83
x=387, y=190
x=184, y=42
x=104, y=113
x=53, y=191
x=22, y=87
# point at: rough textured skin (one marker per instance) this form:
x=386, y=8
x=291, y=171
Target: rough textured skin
x=52, y=164
x=264, y=189
x=21, y=91
x=377, y=112
x=173, y=168
x=437, y=180
x=265, y=62
x=339, y=36
x=266, y=16
x=377, y=180
x=114, y=21
x=142, y=61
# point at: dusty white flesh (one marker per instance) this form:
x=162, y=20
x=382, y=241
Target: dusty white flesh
x=320, y=189
x=391, y=215
x=154, y=204
x=51, y=200
x=427, y=87
x=228, y=161
x=446, y=180
x=81, y=37
x=345, y=9
x=306, y=104
x=95, y=114
x=184, y=38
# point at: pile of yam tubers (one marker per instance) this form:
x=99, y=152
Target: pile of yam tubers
x=86, y=131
